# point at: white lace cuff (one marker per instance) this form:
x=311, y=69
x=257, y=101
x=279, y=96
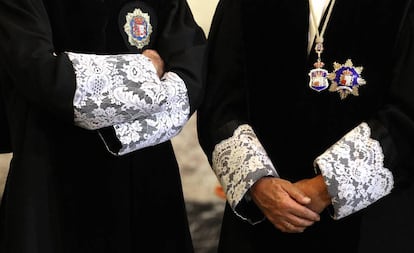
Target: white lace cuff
x=354, y=172
x=239, y=162
x=113, y=89
x=155, y=128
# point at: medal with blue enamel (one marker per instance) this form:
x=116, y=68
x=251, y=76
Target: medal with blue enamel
x=318, y=77
x=346, y=79
x=138, y=28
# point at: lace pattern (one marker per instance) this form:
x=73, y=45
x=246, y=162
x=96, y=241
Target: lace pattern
x=156, y=128
x=239, y=162
x=112, y=89
x=354, y=172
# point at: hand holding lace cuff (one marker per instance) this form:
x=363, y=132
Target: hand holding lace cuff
x=113, y=89
x=354, y=172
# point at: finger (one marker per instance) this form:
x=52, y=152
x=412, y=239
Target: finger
x=307, y=214
x=299, y=221
x=298, y=195
x=150, y=52
x=302, y=212
x=292, y=228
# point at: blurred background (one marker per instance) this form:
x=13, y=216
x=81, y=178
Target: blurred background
x=201, y=191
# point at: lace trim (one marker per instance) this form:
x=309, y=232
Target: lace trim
x=239, y=162
x=156, y=128
x=354, y=172
x=113, y=89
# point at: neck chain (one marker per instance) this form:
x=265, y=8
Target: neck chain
x=319, y=75
x=319, y=36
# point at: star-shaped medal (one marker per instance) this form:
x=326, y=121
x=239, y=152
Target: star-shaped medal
x=346, y=79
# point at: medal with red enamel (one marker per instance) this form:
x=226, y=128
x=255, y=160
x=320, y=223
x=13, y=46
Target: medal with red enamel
x=346, y=79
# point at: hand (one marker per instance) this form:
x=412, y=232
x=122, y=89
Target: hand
x=283, y=204
x=316, y=189
x=156, y=60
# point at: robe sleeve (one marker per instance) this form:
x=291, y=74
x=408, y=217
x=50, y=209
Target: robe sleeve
x=26, y=50
x=376, y=157
x=181, y=43
x=114, y=89
x=224, y=108
x=235, y=152
x=151, y=130
x=5, y=146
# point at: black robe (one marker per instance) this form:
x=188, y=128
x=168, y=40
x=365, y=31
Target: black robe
x=258, y=75
x=65, y=192
x=4, y=130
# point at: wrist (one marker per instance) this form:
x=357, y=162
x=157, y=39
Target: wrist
x=322, y=190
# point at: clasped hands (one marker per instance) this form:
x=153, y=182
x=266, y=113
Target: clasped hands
x=291, y=207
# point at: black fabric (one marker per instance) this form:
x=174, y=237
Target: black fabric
x=257, y=73
x=4, y=128
x=65, y=193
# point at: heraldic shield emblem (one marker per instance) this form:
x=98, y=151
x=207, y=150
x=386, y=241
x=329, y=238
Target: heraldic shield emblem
x=318, y=80
x=137, y=22
x=346, y=79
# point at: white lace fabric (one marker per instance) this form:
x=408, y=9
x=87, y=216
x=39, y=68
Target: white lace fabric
x=113, y=89
x=156, y=128
x=239, y=162
x=354, y=172
x=125, y=92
